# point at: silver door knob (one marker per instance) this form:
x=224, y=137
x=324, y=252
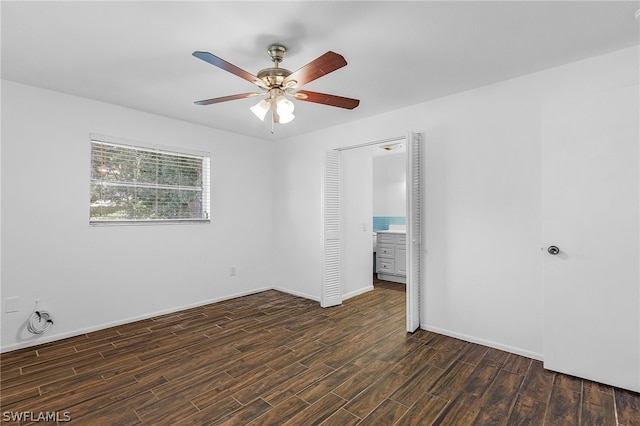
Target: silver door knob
x=553, y=250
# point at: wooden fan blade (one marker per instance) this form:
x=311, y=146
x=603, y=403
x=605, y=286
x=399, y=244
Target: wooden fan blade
x=222, y=64
x=227, y=98
x=323, y=98
x=320, y=66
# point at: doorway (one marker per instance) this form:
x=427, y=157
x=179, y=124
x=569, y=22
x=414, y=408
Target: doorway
x=348, y=177
x=389, y=210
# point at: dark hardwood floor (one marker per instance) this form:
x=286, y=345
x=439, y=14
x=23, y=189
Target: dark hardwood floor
x=276, y=359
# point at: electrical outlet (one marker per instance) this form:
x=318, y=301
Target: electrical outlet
x=232, y=272
x=12, y=304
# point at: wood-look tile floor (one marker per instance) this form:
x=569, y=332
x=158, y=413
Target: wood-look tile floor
x=276, y=359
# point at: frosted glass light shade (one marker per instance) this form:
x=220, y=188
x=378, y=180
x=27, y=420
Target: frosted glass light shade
x=260, y=109
x=285, y=109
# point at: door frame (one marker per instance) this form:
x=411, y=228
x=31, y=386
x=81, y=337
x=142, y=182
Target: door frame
x=414, y=289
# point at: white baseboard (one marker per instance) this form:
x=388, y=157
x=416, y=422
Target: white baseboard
x=318, y=299
x=297, y=293
x=357, y=292
x=491, y=344
x=79, y=332
x=73, y=333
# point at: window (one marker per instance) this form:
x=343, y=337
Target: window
x=133, y=184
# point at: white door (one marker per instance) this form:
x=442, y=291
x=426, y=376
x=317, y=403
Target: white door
x=591, y=214
x=331, y=256
x=414, y=230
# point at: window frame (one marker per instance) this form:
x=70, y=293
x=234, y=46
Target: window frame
x=156, y=148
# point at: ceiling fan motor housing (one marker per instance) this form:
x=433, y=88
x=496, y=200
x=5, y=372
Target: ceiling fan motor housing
x=273, y=76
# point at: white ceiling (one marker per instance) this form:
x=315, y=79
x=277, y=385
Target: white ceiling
x=138, y=54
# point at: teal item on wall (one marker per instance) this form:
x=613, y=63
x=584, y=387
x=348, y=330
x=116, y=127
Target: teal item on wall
x=381, y=223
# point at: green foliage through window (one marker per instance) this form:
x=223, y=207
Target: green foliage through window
x=136, y=184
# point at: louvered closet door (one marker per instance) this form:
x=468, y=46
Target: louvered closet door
x=331, y=271
x=414, y=230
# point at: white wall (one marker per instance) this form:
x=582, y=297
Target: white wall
x=482, y=193
x=357, y=221
x=93, y=277
x=389, y=185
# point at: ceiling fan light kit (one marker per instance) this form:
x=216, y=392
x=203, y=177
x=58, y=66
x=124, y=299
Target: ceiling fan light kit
x=278, y=83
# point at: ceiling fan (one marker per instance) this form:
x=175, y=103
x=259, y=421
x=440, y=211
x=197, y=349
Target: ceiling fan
x=279, y=83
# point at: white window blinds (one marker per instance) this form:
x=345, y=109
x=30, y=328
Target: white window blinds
x=133, y=184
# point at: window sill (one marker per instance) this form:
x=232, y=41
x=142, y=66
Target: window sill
x=149, y=222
